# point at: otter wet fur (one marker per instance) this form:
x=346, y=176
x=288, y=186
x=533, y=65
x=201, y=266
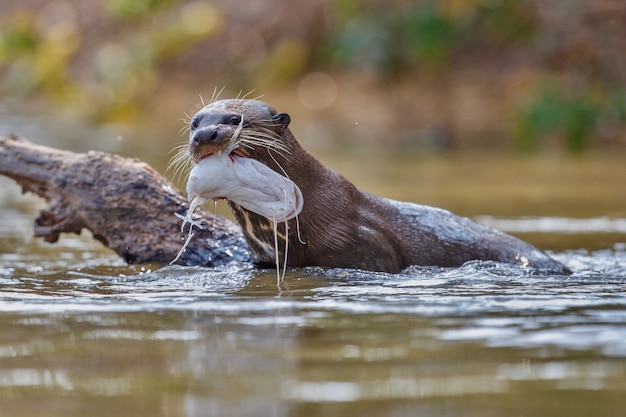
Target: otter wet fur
x=336, y=225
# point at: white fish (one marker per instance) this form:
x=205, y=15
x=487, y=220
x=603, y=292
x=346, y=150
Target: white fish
x=247, y=182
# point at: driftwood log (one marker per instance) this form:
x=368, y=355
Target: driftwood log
x=126, y=205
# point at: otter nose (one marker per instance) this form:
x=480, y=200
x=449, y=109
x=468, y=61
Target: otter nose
x=205, y=135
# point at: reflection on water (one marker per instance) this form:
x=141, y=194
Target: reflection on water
x=81, y=333
x=484, y=339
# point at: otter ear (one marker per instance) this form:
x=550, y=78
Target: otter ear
x=283, y=118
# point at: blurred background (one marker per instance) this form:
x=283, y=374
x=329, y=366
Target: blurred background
x=419, y=74
x=505, y=107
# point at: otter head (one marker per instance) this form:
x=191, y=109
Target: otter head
x=243, y=151
x=236, y=148
x=247, y=128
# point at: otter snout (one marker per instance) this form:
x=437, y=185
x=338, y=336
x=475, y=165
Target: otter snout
x=206, y=140
x=207, y=135
x=211, y=132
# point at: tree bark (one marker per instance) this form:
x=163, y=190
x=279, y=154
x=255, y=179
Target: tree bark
x=126, y=204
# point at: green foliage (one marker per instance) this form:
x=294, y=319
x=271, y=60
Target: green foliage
x=420, y=34
x=553, y=112
x=131, y=9
x=388, y=41
x=617, y=106
x=18, y=36
x=429, y=34
x=362, y=42
x=506, y=21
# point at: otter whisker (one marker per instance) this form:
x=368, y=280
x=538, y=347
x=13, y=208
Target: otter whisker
x=216, y=95
x=252, y=145
x=180, y=162
x=265, y=140
x=268, y=122
x=180, y=169
x=264, y=131
x=246, y=145
x=264, y=134
x=257, y=97
x=178, y=173
x=181, y=146
x=262, y=127
x=176, y=164
x=186, y=120
x=259, y=136
x=244, y=96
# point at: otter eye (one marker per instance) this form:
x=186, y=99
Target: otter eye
x=195, y=122
x=234, y=120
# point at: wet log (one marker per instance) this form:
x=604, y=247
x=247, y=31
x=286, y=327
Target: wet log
x=126, y=204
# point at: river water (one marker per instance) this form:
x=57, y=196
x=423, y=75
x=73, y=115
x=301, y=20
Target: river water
x=83, y=334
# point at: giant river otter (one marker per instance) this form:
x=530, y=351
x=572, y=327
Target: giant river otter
x=293, y=208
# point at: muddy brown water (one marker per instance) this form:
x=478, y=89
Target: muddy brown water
x=82, y=334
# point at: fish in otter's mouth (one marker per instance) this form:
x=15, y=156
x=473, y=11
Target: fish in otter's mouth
x=246, y=182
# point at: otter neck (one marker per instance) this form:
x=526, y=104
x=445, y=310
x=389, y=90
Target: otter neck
x=328, y=224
